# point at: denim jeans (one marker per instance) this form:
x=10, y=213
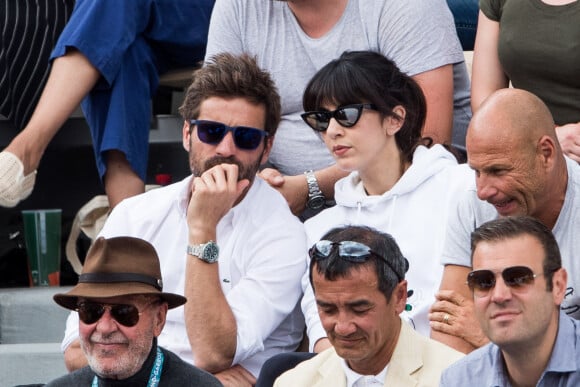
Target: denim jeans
x=465, y=14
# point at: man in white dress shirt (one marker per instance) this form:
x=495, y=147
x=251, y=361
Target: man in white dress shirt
x=226, y=239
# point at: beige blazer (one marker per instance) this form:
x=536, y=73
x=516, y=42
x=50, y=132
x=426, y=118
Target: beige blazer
x=416, y=361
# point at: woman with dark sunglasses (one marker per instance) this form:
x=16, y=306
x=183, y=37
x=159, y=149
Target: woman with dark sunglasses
x=370, y=115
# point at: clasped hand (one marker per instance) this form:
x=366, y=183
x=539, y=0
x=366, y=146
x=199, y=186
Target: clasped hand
x=454, y=315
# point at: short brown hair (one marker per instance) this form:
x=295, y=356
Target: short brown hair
x=514, y=226
x=229, y=76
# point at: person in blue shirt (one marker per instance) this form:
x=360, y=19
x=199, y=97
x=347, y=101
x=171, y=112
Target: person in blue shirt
x=518, y=284
x=108, y=58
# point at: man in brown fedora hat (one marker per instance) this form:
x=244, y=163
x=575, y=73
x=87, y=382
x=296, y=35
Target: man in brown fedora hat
x=226, y=240
x=122, y=310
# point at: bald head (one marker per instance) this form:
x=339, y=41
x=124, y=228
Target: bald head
x=512, y=145
x=511, y=116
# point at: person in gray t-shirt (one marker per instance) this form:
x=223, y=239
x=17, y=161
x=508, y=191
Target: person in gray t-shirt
x=294, y=39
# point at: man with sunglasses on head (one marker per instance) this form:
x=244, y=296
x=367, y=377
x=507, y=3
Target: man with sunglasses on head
x=226, y=239
x=519, y=170
x=518, y=284
x=358, y=277
x=122, y=310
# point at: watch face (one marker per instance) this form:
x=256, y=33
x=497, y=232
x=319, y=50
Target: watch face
x=210, y=252
x=316, y=202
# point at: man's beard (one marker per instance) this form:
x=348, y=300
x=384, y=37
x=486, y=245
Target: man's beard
x=244, y=171
x=127, y=361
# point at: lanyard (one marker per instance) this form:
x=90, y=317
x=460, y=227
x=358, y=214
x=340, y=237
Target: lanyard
x=155, y=371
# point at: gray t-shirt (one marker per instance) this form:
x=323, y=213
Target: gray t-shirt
x=471, y=212
x=418, y=35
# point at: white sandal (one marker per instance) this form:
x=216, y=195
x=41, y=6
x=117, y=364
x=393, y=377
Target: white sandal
x=14, y=186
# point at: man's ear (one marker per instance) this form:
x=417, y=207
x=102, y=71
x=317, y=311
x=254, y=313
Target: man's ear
x=559, y=285
x=393, y=124
x=267, y=149
x=160, y=317
x=547, y=151
x=400, y=296
x=186, y=136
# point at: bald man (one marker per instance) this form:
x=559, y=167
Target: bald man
x=519, y=170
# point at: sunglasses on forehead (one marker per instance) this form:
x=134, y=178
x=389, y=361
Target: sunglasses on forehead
x=126, y=315
x=212, y=132
x=347, y=250
x=516, y=277
x=347, y=116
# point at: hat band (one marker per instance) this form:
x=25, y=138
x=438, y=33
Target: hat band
x=121, y=277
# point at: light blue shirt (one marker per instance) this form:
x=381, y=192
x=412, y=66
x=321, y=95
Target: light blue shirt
x=486, y=364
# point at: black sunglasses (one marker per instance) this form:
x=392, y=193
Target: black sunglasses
x=348, y=250
x=347, y=116
x=91, y=312
x=212, y=132
x=517, y=277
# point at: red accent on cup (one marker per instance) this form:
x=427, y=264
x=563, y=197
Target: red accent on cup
x=163, y=178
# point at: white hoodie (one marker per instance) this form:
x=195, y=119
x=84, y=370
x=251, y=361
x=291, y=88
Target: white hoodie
x=414, y=212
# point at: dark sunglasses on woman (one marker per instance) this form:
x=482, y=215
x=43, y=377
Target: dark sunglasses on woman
x=347, y=116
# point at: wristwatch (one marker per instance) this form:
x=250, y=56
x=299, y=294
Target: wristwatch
x=207, y=252
x=315, y=197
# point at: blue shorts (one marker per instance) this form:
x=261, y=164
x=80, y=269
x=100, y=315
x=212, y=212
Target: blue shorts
x=131, y=42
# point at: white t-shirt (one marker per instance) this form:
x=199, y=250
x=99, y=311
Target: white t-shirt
x=418, y=35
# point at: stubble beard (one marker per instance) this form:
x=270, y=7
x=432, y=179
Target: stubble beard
x=125, y=364
x=198, y=167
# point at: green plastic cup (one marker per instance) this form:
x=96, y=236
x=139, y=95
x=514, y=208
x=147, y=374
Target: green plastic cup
x=42, y=233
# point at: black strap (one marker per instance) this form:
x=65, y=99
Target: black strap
x=121, y=277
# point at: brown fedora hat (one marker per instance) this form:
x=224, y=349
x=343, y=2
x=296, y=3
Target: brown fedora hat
x=118, y=267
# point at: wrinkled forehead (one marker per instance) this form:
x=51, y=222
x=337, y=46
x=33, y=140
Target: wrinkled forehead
x=501, y=153
x=491, y=135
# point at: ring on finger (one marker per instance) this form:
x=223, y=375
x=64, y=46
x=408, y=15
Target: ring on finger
x=446, y=318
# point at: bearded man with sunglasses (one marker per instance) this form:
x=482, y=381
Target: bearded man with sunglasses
x=518, y=284
x=358, y=277
x=226, y=239
x=122, y=311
